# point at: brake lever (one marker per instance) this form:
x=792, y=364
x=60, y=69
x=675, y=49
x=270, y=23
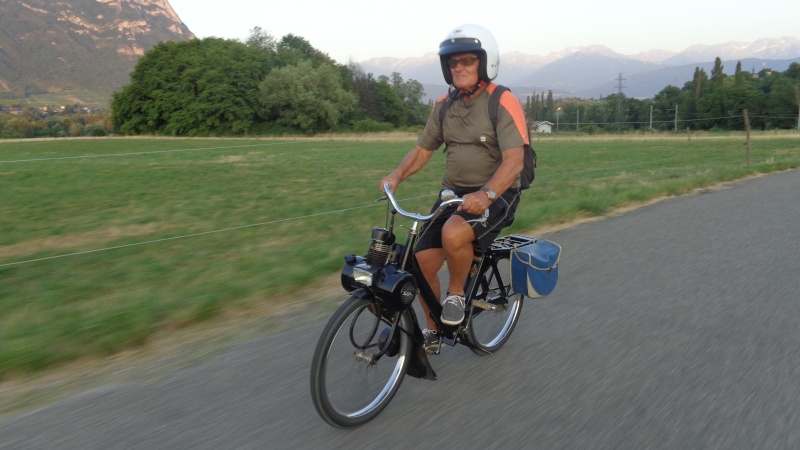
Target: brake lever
x=482, y=219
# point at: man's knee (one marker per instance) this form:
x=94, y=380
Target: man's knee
x=430, y=261
x=456, y=233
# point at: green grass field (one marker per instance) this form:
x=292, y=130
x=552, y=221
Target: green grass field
x=104, y=242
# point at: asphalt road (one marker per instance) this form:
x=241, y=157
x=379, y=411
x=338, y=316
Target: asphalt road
x=676, y=326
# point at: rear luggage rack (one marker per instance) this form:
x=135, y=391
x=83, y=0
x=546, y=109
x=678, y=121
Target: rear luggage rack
x=511, y=242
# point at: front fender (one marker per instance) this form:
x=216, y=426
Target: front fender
x=419, y=366
x=363, y=294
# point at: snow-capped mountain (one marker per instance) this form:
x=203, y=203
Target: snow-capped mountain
x=591, y=71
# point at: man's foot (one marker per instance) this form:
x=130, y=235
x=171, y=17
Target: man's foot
x=430, y=341
x=453, y=309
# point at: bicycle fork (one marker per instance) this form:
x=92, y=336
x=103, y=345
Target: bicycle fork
x=386, y=343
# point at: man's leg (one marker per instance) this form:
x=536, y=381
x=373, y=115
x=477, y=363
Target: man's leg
x=457, y=237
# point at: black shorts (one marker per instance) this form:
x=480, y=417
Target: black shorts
x=501, y=215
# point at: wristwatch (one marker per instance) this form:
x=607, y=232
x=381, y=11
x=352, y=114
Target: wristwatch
x=492, y=194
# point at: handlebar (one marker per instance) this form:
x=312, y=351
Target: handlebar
x=448, y=196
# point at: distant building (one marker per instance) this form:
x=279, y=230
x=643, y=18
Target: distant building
x=542, y=126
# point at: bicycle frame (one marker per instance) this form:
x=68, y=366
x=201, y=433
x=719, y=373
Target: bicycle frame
x=374, y=339
x=390, y=275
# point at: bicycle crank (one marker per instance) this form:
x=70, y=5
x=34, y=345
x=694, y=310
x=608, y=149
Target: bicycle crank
x=485, y=305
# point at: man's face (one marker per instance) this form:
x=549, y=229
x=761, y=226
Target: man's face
x=464, y=69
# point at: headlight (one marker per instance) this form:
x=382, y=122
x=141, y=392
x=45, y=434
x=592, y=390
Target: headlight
x=362, y=276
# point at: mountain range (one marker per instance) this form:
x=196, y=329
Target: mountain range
x=79, y=45
x=595, y=71
x=89, y=47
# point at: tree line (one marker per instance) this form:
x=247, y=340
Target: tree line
x=32, y=122
x=263, y=86
x=215, y=86
x=707, y=102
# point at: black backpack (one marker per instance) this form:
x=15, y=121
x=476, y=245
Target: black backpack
x=529, y=160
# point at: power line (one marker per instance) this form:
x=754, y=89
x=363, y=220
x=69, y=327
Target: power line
x=110, y=155
x=664, y=121
x=173, y=238
x=289, y=219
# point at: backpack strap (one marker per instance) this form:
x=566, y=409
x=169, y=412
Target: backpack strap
x=446, y=104
x=494, y=103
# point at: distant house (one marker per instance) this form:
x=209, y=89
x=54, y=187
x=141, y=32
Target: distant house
x=542, y=126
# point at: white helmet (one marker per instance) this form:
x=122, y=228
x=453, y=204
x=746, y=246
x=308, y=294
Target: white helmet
x=471, y=38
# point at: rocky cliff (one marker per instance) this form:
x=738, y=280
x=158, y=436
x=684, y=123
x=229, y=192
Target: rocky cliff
x=86, y=47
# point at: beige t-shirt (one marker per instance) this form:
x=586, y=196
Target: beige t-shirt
x=473, y=151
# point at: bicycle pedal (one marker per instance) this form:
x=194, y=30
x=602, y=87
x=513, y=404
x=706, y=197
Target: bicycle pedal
x=484, y=305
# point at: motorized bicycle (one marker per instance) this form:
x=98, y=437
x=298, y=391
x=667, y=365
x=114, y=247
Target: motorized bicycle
x=374, y=339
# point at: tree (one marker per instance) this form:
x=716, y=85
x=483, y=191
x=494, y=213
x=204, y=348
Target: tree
x=717, y=73
x=782, y=102
x=389, y=100
x=391, y=106
x=699, y=83
x=292, y=49
x=261, y=40
x=664, y=104
x=793, y=71
x=193, y=88
x=738, y=74
x=305, y=98
x=367, y=100
x=550, y=107
x=411, y=93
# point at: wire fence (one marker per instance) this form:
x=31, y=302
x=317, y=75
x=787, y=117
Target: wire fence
x=573, y=124
x=252, y=225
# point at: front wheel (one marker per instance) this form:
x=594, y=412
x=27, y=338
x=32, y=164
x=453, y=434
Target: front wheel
x=356, y=370
x=491, y=326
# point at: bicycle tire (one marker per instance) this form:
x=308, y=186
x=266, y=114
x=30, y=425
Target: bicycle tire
x=489, y=330
x=347, y=389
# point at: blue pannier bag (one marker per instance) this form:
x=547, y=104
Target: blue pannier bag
x=534, y=268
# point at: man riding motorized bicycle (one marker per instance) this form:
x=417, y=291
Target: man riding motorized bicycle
x=483, y=165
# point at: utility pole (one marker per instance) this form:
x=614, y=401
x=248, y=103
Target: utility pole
x=797, y=97
x=558, y=110
x=747, y=127
x=651, y=117
x=676, y=118
x=619, y=96
x=675, y=128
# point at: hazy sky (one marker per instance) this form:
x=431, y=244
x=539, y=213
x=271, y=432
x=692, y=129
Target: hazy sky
x=361, y=29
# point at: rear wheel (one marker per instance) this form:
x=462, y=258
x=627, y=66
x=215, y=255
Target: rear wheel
x=355, y=371
x=491, y=325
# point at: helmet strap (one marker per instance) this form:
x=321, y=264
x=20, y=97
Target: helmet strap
x=480, y=84
x=468, y=92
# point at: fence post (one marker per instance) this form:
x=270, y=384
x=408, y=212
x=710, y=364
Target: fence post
x=747, y=128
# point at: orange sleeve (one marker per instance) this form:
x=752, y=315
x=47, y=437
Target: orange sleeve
x=511, y=104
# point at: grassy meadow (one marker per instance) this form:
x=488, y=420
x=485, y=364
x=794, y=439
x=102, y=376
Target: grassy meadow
x=104, y=242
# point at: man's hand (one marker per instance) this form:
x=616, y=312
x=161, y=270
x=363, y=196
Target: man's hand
x=475, y=203
x=393, y=182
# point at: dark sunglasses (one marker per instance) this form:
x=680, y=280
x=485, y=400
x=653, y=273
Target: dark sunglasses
x=464, y=62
